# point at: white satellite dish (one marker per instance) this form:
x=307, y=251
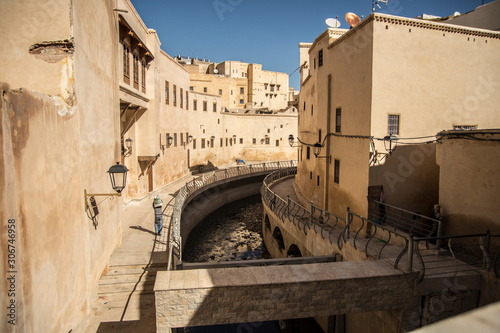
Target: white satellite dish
x=216, y=71
x=332, y=22
x=457, y=14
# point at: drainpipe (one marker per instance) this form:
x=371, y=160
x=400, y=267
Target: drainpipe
x=327, y=153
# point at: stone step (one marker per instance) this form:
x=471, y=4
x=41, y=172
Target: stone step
x=134, y=269
x=106, y=289
x=127, y=278
x=114, y=314
x=120, y=300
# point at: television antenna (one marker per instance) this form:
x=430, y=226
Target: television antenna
x=352, y=19
x=333, y=22
x=376, y=3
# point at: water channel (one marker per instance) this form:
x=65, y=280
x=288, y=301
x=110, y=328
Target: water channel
x=234, y=232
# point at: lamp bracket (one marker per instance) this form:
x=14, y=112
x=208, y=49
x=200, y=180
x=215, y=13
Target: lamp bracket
x=86, y=195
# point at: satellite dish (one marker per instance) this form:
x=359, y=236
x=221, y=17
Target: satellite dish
x=332, y=22
x=457, y=14
x=352, y=19
x=216, y=71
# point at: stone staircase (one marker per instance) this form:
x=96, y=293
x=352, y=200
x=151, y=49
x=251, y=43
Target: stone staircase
x=126, y=301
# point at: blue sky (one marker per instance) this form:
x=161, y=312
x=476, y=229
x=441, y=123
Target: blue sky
x=265, y=31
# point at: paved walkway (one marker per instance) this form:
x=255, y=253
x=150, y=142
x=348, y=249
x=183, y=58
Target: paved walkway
x=125, y=296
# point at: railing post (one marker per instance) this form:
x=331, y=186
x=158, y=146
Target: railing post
x=264, y=166
x=288, y=207
x=438, y=243
x=238, y=169
x=311, y=213
x=278, y=164
x=348, y=222
x=411, y=245
x=225, y=173
x=250, y=168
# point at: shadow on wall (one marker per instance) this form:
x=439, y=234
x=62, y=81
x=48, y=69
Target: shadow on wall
x=410, y=178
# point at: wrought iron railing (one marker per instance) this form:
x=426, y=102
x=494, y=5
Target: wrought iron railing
x=376, y=234
x=175, y=242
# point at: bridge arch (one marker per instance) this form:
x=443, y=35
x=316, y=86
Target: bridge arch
x=293, y=251
x=278, y=236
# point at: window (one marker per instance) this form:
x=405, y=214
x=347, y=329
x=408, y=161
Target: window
x=195, y=105
x=181, y=97
x=308, y=153
x=226, y=142
x=320, y=58
x=182, y=139
x=194, y=143
x=215, y=107
x=231, y=93
x=319, y=137
x=136, y=72
x=312, y=110
x=242, y=90
x=338, y=117
x=221, y=142
x=211, y=142
x=314, y=63
x=281, y=126
x=204, y=89
x=175, y=95
x=254, y=141
x=143, y=76
x=304, y=106
x=218, y=121
x=317, y=180
x=336, y=172
x=265, y=86
x=278, y=87
x=277, y=143
x=187, y=100
x=393, y=124
x=175, y=139
x=220, y=91
x=242, y=101
x=230, y=142
x=166, y=138
x=310, y=175
x=268, y=130
x=272, y=87
x=204, y=105
x=241, y=141
x=166, y=92
x=202, y=143
x=126, y=64
x=191, y=88
x=267, y=141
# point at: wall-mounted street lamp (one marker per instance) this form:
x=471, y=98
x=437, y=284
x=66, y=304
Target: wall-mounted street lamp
x=266, y=136
x=317, y=149
x=118, y=177
x=128, y=148
x=212, y=137
x=392, y=141
x=190, y=138
x=290, y=140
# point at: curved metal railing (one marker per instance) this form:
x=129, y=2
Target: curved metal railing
x=175, y=241
x=378, y=233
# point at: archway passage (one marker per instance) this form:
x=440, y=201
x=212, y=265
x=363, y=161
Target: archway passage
x=267, y=223
x=293, y=251
x=279, y=238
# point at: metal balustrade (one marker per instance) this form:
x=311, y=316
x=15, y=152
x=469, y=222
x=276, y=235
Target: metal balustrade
x=376, y=234
x=175, y=242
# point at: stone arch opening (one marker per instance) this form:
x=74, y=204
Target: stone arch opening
x=294, y=251
x=279, y=238
x=267, y=223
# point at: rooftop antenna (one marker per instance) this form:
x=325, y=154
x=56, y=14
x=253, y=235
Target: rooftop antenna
x=352, y=19
x=376, y=3
x=333, y=22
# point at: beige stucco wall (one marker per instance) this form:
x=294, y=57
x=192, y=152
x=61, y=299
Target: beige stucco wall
x=353, y=97
x=433, y=79
x=51, y=152
x=390, y=65
x=485, y=17
x=468, y=184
